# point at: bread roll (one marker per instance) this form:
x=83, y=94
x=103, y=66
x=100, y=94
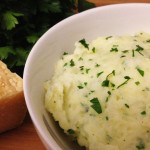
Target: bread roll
x=12, y=103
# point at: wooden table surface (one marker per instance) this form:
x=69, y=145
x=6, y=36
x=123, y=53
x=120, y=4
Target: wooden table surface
x=25, y=136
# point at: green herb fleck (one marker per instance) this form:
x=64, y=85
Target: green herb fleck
x=96, y=105
x=141, y=72
x=80, y=59
x=113, y=72
x=107, y=98
x=146, y=89
x=85, y=83
x=148, y=41
x=123, y=56
x=83, y=42
x=80, y=87
x=81, y=67
x=109, y=93
x=105, y=83
x=72, y=63
x=143, y=113
x=140, y=146
x=65, y=53
x=108, y=37
x=93, y=49
x=92, y=91
x=98, y=74
x=97, y=65
x=87, y=70
x=127, y=79
x=112, y=84
x=133, y=53
x=125, y=51
x=114, y=49
x=107, y=118
x=139, y=49
x=71, y=131
x=65, y=64
x=127, y=105
x=137, y=82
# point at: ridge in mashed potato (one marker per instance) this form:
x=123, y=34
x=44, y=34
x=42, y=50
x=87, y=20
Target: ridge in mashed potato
x=100, y=94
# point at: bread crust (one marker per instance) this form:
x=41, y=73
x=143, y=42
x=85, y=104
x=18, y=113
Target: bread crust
x=12, y=103
x=12, y=112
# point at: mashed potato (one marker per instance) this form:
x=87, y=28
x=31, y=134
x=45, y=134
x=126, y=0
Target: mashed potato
x=100, y=94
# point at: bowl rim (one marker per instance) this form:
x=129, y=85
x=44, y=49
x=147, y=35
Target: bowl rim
x=51, y=142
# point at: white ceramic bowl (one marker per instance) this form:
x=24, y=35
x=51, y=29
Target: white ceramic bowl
x=107, y=20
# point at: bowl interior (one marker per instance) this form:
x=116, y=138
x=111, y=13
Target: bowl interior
x=102, y=21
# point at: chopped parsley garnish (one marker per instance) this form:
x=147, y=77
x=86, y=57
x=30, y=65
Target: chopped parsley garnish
x=108, y=37
x=85, y=83
x=127, y=77
x=96, y=105
x=143, y=113
x=109, y=93
x=93, y=49
x=71, y=131
x=87, y=70
x=80, y=59
x=113, y=72
x=92, y=91
x=105, y=83
x=125, y=82
x=148, y=41
x=72, y=63
x=107, y=118
x=107, y=98
x=125, y=51
x=65, y=64
x=127, y=105
x=112, y=84
x=123, y=56
x=83, y=42
x=81, y=67
x=97, y=65
x=139, y=49
x=137, y=82
x=146, y=89
x=141, y=72
x=81, y=86
x=65, y=53
x=140, y=146
x=98, y=74
x=133, y=53
x=114, y=49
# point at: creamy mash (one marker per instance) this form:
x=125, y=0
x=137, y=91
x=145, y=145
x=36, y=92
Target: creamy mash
x=100, y=94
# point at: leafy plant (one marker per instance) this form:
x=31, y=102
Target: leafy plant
x=23, y=22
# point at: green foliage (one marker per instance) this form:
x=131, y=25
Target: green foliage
x=9, y=20
x=23, y=22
